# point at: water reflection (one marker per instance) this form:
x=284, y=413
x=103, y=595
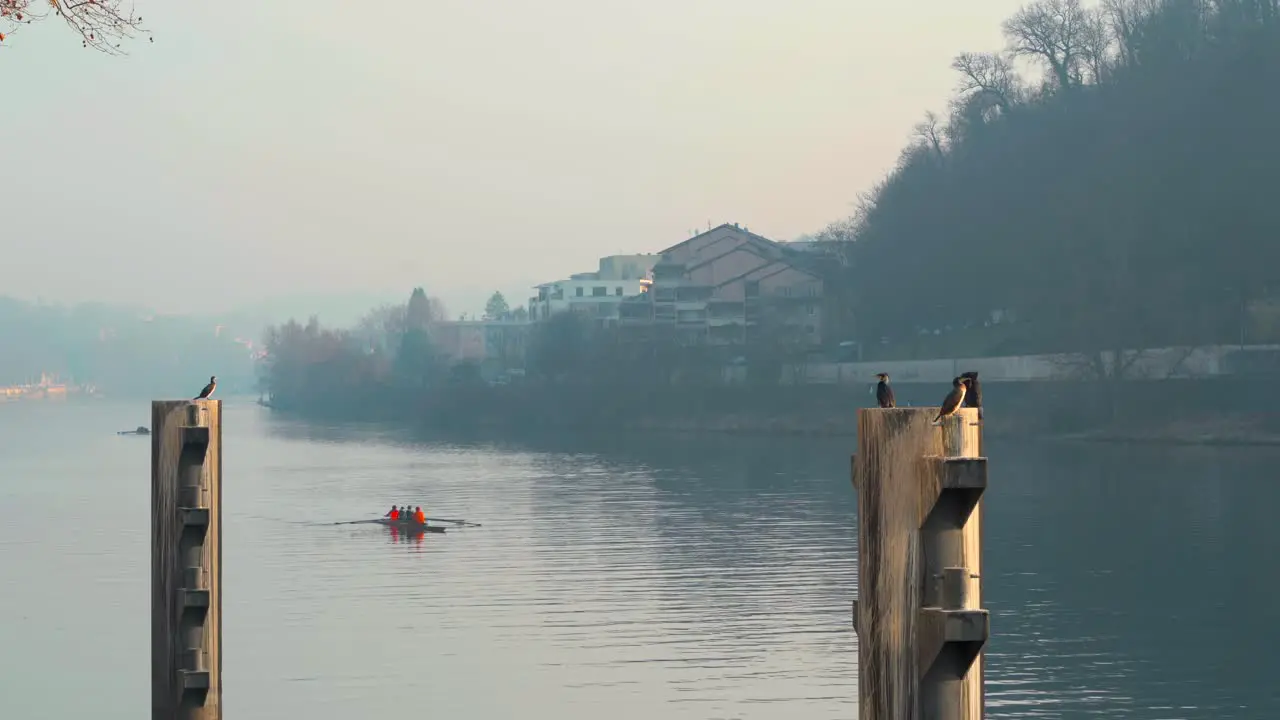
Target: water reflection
x=1104, y=564
x=398, y=536
x=1115, y=591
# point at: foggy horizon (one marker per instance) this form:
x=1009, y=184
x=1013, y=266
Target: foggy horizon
x=277, y=152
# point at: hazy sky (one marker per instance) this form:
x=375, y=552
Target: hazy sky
x=259, y=149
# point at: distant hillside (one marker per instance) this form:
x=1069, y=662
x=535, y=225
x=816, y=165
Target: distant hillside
x=122, y=350
x=340, y=310
x=333, y=309
x=1122, y=195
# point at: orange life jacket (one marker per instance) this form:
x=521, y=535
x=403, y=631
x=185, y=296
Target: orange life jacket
x=421, y=517
x=395, y=514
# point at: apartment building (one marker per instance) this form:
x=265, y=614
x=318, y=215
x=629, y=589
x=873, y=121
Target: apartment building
x=729, y=286
x=596, y=294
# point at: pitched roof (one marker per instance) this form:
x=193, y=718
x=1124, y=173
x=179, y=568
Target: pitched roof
x=758, y=240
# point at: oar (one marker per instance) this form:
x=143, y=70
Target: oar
x=357, y=522
x=455, y=522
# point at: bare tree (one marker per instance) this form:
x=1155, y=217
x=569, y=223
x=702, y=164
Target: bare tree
x=844, y=230
x=969, y=113
x=929, y=133
x=381, y=328
x=1098, y=53
x=989, y=88
x=101, y=24
x=990, y=75
x=841, y=236
x=1245, y=13
x=1055, y=33
x=1124, y=19
x=1098, y=364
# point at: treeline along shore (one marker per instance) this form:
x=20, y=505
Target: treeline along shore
x=1234, y=405
x=1185, y=411
x=1105, y=181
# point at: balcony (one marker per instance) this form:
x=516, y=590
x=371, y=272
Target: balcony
x=694, y=294
x=691, y=317
x=726, y=320
x=635, y=312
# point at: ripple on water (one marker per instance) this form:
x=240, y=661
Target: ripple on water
x=586, y=587
x=711, y=582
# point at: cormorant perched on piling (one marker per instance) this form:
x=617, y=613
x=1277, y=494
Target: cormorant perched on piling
x=884, y=393
x=973, y=391
x=953, y=400
x=208, y=389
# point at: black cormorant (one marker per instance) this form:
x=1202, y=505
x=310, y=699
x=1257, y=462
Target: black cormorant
x=953, y=400
x=973, y=391
x=884, y=393
x=208, y=389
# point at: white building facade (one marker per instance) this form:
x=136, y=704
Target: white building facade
x=597, y=294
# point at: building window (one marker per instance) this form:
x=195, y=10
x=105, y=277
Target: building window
x=752, y=288
x=810, y=329
x=813, y=310
x=617, y=291
x=579, y=292
x=599, y=291
x=786, y=292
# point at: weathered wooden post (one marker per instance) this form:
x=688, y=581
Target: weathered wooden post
x=186, y=560
x=921, y=629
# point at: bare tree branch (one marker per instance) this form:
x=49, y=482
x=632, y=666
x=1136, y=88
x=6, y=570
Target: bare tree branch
x=929, y=132
x=989, y=74
x=1098, y=46
x=1123, y=18
x=1054, y=32
x=969, y=112
x=101, y=24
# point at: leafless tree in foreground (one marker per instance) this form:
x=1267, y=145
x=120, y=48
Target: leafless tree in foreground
x=101, y=24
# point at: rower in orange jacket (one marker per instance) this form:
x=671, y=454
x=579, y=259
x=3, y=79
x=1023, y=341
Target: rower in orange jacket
x=420, y=517
x=394, y=514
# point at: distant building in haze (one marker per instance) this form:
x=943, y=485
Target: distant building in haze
x=729, y=286
x=595, y=294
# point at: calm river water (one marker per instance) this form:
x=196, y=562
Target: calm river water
x=698, y=579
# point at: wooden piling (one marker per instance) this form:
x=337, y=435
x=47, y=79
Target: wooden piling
x=186, y=560
x=921, y=629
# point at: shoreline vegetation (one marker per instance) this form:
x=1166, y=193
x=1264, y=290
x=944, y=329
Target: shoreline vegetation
x=1039, y=411
x=1118, y=194
x=1225, y=431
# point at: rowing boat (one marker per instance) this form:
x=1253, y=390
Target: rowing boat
x=409, y=525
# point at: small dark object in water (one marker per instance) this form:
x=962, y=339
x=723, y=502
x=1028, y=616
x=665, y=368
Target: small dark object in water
x=141, y=430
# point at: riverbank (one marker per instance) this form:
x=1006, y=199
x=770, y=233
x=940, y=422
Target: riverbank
x=1219, y=431
x=1185, y=412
